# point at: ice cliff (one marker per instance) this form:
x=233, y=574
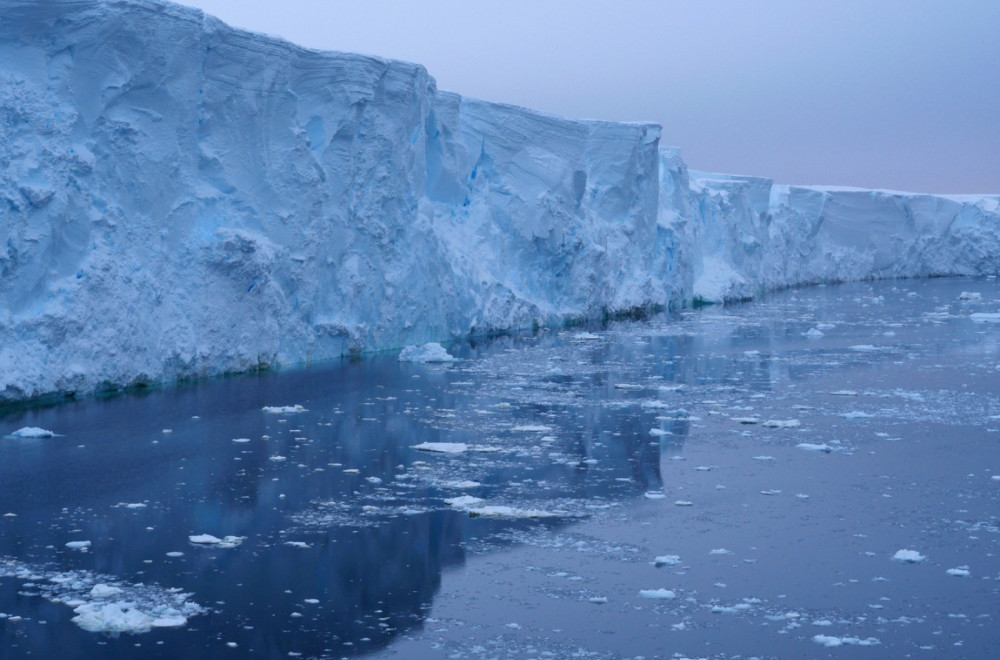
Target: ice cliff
x=180, y=199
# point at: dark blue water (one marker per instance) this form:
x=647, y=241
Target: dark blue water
x=602, y=448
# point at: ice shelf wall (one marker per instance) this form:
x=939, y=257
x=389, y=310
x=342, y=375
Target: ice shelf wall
x=182, y=199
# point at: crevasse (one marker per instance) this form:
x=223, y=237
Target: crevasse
x=180, y=199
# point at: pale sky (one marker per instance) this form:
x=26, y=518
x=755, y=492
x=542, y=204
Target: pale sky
x=898, y=94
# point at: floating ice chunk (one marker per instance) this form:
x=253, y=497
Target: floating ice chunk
x=983, y=317
x=442, y=447
x=461, y=485
x=809, y=446
x=864, y=348
x=657, y=594
x=531, y=428
x=214, y=541
x=175, y=554
x=782, y=423
x=598, y=600
x=770, y=492
x=746, y=420
x=959, y=571
x=464, y=501
x=104, y=591
x=628, y=386
x=830, y=641
x=683, y=503
x=763, y=458
x=283, y=410
x=659, y=433
x=720, y=551
x=813, y=333
x=32, y=432
x=241, y=440
x=277, y=459
x=970, y=295
x=856, y=414
x=429, y=352
x=302, y=545
x=112, y=617
x=585, y=336
x=311, y=601
x=78, y=545
x=844, y=393
x=655, y=495
x=667, y=560
x=908, y=556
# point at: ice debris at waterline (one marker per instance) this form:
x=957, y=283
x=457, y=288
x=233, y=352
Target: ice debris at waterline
x=102, y=603
x=32, y=432
x=209, y=541
x=348, y=205
x=430, y=352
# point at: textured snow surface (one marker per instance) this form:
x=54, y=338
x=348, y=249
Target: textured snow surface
x=182, y=199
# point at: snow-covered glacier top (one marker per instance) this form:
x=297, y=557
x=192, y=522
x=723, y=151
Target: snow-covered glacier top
x=179, y=198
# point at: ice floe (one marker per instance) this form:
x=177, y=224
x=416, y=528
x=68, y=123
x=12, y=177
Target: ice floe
x=908, y=556
x=207, y=540
x=830, y=641
x=283, y=410
x=811, y=446
x=431, y=352
x=959, y=571
x=667, y=560
x=442, y=447
x=32, y=432
x=657, y=594
x=782, y=423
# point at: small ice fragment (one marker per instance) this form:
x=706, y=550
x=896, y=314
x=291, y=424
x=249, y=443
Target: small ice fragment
x=763, y=458
x=770, y=492
x=373, y=480
x=844, y=393
x=598, y=600
x=970, y=295
x=809, y=446
x=78, y=545
x=720, y=551
x=442, y=447
x=461, y=485
x=209, y=540
x=531, y=428
x=864, y=348
x=585, y=336
x=908, y=556
x=428, y=353
x=829, y=641
x=683, y=503
x=276, y=459
x=983, y=317
x=463, y=501
x=667, y=560
x=782, y=423
x=659, y=432
x=655, y=495
x=960, y=571
x=352, y=471
x=747, y=420
x=241, y=440
x=302, y=545
x=283, y=410
x=32, y=432
x=657, y=594
x=311, y=601
x=627, y=386
x=175, y=554
x=813, y=333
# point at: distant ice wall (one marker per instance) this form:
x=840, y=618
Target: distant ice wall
x=751, y=236
x=180, y=199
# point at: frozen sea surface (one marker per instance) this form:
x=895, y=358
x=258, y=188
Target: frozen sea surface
x=718, y=483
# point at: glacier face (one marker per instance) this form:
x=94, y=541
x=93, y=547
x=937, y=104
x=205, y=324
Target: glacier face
x=181, y=199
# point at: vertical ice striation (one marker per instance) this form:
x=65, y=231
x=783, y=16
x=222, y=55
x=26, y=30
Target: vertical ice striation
x=179, y=198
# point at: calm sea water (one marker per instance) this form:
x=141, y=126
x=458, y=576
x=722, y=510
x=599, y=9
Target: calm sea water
x=775, y=456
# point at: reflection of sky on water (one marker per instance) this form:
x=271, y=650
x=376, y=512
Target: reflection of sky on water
x=379, y=539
